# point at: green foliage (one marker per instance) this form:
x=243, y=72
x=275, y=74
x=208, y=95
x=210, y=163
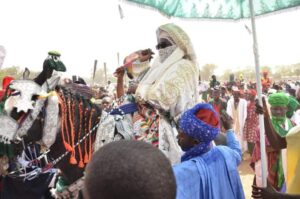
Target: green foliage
x=100, y=77
x=15, y=72
x=276, y=73
x=224, y=77
x=287, y=72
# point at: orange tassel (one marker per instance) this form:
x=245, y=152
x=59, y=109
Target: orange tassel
x=68, y=147
x=90, y=136
x=73, y=160
x=90, y=148
x=86, y=158
x=81, y=164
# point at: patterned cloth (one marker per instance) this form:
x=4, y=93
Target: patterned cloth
x=276, y=175
x=216, y=9
x=146, y=128
x=172, y=85
x=195, y=126
x=219, y=105
x=81, y=89
x=251, y=123
x=181, y=40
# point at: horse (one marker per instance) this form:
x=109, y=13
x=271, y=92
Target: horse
x=60, y=120
x=71, y=133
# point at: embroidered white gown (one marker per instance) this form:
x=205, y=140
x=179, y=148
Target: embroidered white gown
x=171, y=86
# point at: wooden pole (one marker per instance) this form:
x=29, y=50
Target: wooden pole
x=105, y=74
x=118, y=57
x=94, y=71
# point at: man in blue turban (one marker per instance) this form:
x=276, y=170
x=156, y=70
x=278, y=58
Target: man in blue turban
x=207, y=171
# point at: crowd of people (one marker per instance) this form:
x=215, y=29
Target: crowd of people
x=189, y=137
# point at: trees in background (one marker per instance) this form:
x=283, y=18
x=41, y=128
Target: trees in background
x=277, y=73
x=207, y=71
x=13, y=71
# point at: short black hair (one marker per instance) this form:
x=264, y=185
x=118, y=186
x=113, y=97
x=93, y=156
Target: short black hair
x=129, y=169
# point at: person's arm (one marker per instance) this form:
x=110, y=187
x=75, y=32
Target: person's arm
x=271, y=193
x=274, y=138
x=120, y=81
x=229, y=108
x=232, y=141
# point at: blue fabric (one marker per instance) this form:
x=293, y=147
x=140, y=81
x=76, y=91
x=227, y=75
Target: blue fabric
x=126, y=108
x=213, y=175
x=196, y=128
x=16, y=188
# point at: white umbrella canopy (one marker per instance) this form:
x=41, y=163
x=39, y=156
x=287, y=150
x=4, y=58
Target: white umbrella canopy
x=227, y=10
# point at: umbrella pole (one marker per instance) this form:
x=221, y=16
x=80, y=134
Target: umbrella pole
x=259, y=93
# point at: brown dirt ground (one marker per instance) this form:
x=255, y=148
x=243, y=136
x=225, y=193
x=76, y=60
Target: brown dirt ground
x=247, y=175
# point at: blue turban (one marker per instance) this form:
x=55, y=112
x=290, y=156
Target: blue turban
x=202, y=123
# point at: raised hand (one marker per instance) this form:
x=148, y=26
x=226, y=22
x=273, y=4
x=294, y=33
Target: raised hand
x=119, y=73
x=226, y=120
x=145, y=55
x=262, y=109
x=265, y=193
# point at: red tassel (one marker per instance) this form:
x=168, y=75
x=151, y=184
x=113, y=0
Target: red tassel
x=86, y=158
x=68, y=147
x=73, y=160
x=81, y=164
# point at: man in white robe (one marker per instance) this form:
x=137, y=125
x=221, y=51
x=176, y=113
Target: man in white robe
x=170, y=85
x=237, y=109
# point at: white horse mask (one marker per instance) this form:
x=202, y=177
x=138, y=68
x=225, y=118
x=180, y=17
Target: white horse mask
x=27, y=89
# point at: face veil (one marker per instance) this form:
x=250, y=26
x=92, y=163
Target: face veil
x=178, y=37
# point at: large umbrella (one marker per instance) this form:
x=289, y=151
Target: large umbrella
x=227, y=10
x=217, y=9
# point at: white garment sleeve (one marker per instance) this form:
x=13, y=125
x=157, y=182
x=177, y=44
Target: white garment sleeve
x=176, y=91
x=229, y=108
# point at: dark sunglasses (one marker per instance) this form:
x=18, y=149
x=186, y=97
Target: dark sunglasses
x=162, y=45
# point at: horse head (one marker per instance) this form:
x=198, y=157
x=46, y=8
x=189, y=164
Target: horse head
x=26, y=90
x=25, y=105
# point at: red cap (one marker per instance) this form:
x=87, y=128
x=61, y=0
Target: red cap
x=208, y=117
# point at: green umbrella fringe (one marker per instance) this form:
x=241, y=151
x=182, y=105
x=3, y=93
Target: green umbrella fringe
x=145, y=6
x=283, y=10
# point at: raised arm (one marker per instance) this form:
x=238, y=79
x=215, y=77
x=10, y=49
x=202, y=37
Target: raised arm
x=232, y=141
x=274, y=138
x=120, y=81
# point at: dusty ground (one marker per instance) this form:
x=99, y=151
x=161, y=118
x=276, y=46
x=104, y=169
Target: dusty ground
x=247, y=176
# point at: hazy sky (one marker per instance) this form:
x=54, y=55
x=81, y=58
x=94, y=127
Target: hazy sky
x=92, y=29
